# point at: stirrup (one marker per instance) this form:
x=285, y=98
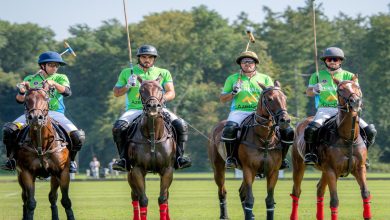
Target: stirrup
x=119, y=165
x=9, y=165
x=285, y=164
x=311, y=159
x=367, y=164
x=73, y=167
x=183, y=162
x=231, y=162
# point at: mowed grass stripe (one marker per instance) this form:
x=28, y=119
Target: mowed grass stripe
x=193, y=199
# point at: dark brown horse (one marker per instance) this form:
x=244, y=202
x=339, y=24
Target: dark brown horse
x=259, y=151
x=42, y=154
x=342, y=153
x=152, y=149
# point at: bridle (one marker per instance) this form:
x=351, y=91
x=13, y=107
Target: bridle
x=42, y=119
x=274, y=115
x=147, y=101
x=349, y=101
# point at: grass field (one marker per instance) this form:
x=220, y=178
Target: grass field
x=193, y=199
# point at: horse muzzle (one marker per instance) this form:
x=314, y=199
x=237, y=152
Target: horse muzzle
x=36, y=120
x=153, y=109
x=284, y=121
x=355, y=104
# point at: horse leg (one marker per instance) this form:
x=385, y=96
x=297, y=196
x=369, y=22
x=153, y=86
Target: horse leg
x=219, y=178
x=360, y=176
x=136, y=180
x=269, y=200
x=165, y=183
x=53, y=195
x=249, y=177
x=321, y=187
x=27, y=182
x=298, y=172
x=331, y=179
x=65, y=200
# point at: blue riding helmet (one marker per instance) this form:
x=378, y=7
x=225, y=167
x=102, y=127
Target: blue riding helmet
x=51, y=56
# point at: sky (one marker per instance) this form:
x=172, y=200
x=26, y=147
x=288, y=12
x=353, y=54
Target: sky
x=59, y=15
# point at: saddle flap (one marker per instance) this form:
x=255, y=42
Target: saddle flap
x=327, y=133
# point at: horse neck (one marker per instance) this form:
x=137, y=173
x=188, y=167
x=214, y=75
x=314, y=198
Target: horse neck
x=150, y=124
x=264, y=129
x=46, y=136
x=345, y=124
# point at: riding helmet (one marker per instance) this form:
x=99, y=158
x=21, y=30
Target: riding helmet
x=51, y=56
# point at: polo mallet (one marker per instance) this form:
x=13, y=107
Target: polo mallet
x=133, y=77
x=316, y=97
x=251, y=38
x=68, y=49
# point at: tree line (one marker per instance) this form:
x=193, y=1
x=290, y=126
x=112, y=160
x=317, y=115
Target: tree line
x=199, y=47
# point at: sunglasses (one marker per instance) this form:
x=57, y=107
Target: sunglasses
x=247, y=62
x=332, y=59
x=53, y=65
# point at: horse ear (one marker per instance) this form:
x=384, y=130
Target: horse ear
x=355, y=77
x=139, y=79
x=262, y=85
x=45, y=86
x=277, y=84
x=159, y=78
x=27, y=86
x=336, y=81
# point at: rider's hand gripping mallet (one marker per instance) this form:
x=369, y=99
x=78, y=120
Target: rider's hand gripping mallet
x=68, y=49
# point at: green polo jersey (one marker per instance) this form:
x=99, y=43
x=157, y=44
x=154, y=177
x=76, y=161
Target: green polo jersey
x=133, y=100
x=247, y=98
x=56, y=102
x=328, y=96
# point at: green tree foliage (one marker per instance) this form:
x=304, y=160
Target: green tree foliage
x=199, y=47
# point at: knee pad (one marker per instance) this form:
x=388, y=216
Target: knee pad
x=10, y=133
x=119, y=128
x=310, y=134
x=287, y=135
x=78, y=138
x=181, y=129
x=230, y=130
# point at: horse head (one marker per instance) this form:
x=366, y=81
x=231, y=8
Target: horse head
x=273, y=105
x=349, y=95
x=152, y=96
x=37, y=106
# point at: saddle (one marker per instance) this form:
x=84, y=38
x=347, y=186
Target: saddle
x=327, y=133
x=132, y=129
x=23, y=134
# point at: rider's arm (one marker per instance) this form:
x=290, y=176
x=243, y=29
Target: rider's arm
x=19, y=98
x=310, y=91
x=169, y=91
x=226, y=97
x=119, y=91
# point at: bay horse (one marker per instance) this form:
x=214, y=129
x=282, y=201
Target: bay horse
x=342, y=153
x=42, y=154
x=259, y=151
x=151, y=149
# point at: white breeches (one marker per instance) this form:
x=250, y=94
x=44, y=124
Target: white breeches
x=238, y=116
x=57, y=116
x=131, y=114
x=324, y=113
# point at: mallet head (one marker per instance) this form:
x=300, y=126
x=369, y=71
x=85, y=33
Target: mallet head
x=68, y=49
